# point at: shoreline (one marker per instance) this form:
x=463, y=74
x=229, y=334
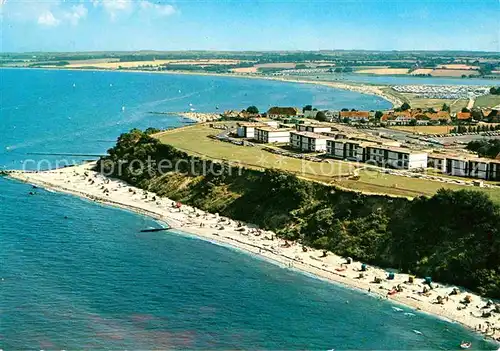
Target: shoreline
x=360, y=88
x=82, y=182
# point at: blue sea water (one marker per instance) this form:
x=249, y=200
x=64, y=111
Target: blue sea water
x=55, y=111
x=78, y=275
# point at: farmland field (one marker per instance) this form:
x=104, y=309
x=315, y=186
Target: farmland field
x=133, y=64
x=384, y=71
x=425, y=129
x=487, y=101
x=453, y=72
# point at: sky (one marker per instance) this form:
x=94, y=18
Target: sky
x=112, y=25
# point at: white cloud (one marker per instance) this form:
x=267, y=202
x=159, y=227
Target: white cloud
x=162, y=10
x=114, y=7
x=47, y=19
x=77, y=13
x=46, y=13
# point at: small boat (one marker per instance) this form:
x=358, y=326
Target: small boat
x=192, y=109
x=417, y=332
x=153, y=230
x=465, y=345
x=123, y=108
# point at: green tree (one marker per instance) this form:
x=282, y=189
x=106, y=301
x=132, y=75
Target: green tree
x=476, y=114
x=378, y=115
x=485, y=148
x=465, y=109
x=307, y=108
x=321, y=116
x=445, y=108
x=405, y=106
x=253, y=110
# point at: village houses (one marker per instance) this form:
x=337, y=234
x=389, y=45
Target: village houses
x=354, y=116
x=283, y=112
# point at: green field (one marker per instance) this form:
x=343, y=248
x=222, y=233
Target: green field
x=487, y=101
x=376, y=182
x=195, y=141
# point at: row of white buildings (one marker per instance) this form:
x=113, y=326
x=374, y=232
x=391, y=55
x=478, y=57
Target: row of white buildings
x=464, y=166
x=320, y=139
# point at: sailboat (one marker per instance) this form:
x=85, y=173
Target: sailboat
x=465, y=345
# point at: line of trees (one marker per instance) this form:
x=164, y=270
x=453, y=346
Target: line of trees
x=495, y=91
x=485, y=148
x=475, y=129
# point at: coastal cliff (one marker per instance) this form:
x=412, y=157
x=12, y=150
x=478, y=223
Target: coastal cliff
x=454, y=237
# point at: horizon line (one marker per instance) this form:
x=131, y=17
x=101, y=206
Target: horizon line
x=258, y=51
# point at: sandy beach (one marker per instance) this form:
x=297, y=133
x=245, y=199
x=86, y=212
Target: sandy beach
x=479, y=315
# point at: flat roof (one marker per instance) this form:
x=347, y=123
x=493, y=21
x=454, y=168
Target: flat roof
x=345, y=141
x=311, y=135
x=271, y=129
x=264, y=120
x=251, y=124
x=476, y=159
x=316, y=125
x=399, y=149
x=441, y=156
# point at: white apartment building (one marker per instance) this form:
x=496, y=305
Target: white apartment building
x=494, y=170
x=272, y=135
x=345, y=149
x=247, y=129
x=474, y=167
x=313, y=128
x=394, y=157
x=437, y=162
x=308, y=141
x=457, y=166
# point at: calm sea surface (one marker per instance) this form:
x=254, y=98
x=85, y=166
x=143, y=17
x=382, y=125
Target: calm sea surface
x=76, y=275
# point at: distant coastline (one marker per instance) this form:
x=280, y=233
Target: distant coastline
x=361, y=88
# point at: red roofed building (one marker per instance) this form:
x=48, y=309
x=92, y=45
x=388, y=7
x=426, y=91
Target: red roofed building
x=355, y=115
x=464, y=116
